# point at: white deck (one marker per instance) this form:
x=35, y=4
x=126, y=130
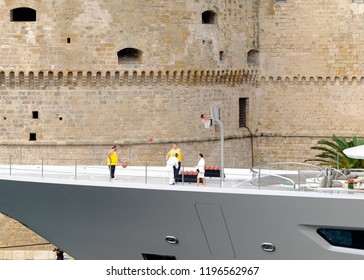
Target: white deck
x=131, y=174
x=157, y=175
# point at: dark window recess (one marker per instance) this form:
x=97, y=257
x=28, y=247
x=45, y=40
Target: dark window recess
x=35, y=114
x=243, y=105
x=209, y=17
x=32, y=136
x=68, y=40
x=221, y=55
x=343, y=238
x=147, y=256
x=253, y=57
x=23, y=14
x=60, y=118
x=129, y=55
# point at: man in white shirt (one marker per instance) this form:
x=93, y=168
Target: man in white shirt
x=172, y=162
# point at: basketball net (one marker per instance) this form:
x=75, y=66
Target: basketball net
x=206, y=122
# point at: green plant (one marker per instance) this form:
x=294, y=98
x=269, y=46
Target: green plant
x=332, y=152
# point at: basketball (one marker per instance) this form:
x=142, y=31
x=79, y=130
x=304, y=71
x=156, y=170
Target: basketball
x=124, y=164
x=150, y=139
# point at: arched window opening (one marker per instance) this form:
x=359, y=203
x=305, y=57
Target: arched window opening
x=129, y=55
x=23, y=14
x=253, y=57
x=209, y=17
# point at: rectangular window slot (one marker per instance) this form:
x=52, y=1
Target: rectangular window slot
x=243, y=105
x=32, y=136
x=68, y=40
x=35, y=115
x=221, y=55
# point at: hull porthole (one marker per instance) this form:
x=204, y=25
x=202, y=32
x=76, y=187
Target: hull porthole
x=171, y=239
x=268, y=247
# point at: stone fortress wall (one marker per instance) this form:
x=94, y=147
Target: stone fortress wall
x=77, y=77
x=310, y=76
x=71, y=68
x=96, y=73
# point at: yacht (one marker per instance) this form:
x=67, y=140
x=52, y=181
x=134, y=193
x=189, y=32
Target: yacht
x=274, y=212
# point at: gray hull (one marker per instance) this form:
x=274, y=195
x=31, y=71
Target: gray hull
x=120, y=222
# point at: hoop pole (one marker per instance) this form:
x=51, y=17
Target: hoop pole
x=222, y=132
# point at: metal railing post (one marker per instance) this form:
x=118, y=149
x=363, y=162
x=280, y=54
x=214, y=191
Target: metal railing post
x=183, y=175
x=337, y=161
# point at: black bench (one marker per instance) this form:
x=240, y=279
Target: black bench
x=212, y=173
x=186, y=178
x=193, y=178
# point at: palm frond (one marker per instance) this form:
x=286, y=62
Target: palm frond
x=332, y=152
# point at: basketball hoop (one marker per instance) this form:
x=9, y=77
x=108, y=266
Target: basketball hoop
x=206, y=122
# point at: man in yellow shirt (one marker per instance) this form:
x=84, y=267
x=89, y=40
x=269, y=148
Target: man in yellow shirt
x=112, y=161
x=171, y=153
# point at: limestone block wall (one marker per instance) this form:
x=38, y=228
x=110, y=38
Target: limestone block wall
x=87, y=35
x=237, y=153
x=30, y=255
x=310, y=75
x=61, y=119
x=314, y=107
x=315, y=38
x=291, y=115
x=14, y=236
x=64, y=67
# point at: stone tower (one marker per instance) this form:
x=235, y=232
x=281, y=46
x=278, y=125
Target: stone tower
x=310, y=76
x=79, y=76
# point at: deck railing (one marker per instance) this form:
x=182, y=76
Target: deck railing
x=287, y=174
x=147, y=174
